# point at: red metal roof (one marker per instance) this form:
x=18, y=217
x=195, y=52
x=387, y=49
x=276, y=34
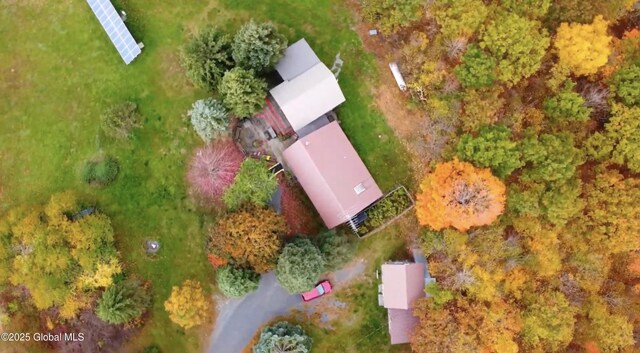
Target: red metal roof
x=332, y=174
x=401, y=325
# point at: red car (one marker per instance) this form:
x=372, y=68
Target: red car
x=321, y=289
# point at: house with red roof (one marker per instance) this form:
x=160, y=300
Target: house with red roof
x=402, y=284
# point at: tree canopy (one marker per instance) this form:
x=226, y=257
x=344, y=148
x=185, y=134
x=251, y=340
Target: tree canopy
x=209, y=119
x=518, y=45
x=253, y=185
x=456, y=194
x=493, y=148
x=299, y=266
x=391, y=15
x=583, y=48
x=242, y=92
x=283, y=337
x=258, y=46
x=188, y=306
x=207, y=57
x=236, y=282
x=619, y=141
x=249, y=237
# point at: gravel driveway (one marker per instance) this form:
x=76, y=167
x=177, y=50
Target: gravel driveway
x=239, y=319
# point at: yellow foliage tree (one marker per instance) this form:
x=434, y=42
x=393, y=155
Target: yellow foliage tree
x=583, y=48
x=188, y=306
x=456, y=194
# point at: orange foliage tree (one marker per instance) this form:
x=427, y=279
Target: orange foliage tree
x=456, y=194
x=249, y=238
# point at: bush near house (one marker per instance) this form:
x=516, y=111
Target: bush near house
x=283, y=337
x=188, y=306
x=299, y=266
x=236, y=282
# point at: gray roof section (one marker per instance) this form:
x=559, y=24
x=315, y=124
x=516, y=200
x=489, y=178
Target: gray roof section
x=115, y=28
x=297, y=59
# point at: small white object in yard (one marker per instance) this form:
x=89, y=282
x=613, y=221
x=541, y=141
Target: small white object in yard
x=395, y=70
x=379, y=136
x=337, y=66
x=141, y=45
x=152, y=246
x=123, y=16
x=373, y=32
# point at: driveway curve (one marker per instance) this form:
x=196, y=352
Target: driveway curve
x=239, y=319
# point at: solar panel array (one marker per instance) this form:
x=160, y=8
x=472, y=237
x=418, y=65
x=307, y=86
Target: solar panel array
x=115, y=28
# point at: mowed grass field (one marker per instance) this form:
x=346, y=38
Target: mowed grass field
x=59, y=72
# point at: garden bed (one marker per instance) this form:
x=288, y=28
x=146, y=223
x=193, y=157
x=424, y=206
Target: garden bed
x=385, y=211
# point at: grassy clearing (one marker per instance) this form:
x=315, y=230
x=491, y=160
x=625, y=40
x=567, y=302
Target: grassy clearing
x=59, y=72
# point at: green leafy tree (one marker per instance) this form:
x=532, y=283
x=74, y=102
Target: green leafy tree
x=207, y=57
x=242, y=92
x=492, y=148
x=439, y=295
x=258, y=46
x=548, y=322
x=619, y=141
x=299, y=266
x=391, y=15
x=336, y=248
x=611, y=332
x=477, y=69
x=120, y=120
x=626, y=85
x=533, y=9
x=236, y=282
x=518, y=44
x=459, y=18
x=123, y=302
x=566, y=106
x=611, y=221
x=254, y=184
x=550, y=157
x=209, y=118
x=283, y=337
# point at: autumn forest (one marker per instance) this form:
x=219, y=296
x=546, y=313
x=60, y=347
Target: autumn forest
x=530, y=202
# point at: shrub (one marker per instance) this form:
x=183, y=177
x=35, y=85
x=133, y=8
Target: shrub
x=207, y=57
x=258, y=46
x=337, y=249
x=298, y=213
x=253, y=185
x=242, y=92
x=283, y=337
x=188, y=306
x=236, y=282
x=209, y=118
x=299, y=266
x=120, y=120
x=101, y=172
x=392, y=15
x=122, y=303
x=213, y=168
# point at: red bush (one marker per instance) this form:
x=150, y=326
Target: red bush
x=213, y=168
x=296, y=209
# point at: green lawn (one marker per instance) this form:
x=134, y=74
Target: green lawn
x=58, y=72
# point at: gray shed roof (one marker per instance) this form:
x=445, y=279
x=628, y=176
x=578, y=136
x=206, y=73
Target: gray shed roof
x=297, y=59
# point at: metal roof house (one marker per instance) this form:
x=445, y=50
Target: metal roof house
x=332, y=174
x=402, y=284
x=309, y=89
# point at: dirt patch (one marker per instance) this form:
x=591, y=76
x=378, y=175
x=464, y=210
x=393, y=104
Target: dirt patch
x=406, y=122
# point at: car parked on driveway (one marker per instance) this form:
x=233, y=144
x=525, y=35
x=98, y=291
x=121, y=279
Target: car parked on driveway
x=319, y=290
